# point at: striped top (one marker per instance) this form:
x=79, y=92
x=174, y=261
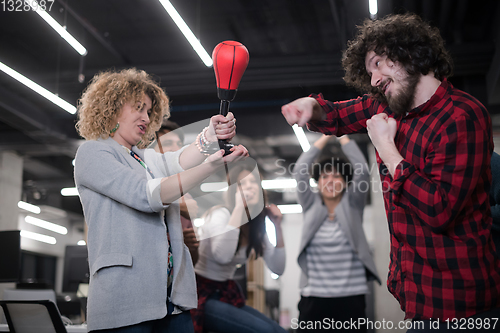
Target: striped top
x=334, y=270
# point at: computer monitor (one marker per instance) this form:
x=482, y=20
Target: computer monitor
x=76, y=268
x=10, y=258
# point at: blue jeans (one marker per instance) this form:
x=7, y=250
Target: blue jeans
x=180, y=323
x=221, y=317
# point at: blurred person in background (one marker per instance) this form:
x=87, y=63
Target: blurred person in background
x=495, y=200
x=334, y=256
x=171, y=138
x=229, y=235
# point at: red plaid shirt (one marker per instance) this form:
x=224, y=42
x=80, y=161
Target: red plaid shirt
x=442, y=256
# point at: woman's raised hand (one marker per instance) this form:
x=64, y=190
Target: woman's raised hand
x=222, y=128
x=274, y=214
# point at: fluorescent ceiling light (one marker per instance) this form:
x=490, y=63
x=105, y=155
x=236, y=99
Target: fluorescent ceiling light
x=81, y=242
x=29, y=207
x=269, y=184
x=195, y=43
x=38, y=237
x=373, y=7
x=279, y=184
x=275, y=184
x=301, y=136
x=37, y=88
x=290, y=209
x=58, y=28
x=214, y=187
x=46, y=225
x=69, y=192
x=274, y=276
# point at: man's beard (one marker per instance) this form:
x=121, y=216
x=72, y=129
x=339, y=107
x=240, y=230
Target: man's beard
x=402, y=101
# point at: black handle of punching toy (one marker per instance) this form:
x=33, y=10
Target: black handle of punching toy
x=224, y=144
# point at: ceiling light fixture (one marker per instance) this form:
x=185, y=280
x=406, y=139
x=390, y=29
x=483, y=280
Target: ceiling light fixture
x=46, y=225
x=29, y=207
x=301, y=136
x=277, y=184
x=37, y=88
x=69, y=192
x=58, y=28
x=38, y=237
x=373, y=8
x=290, y=209
x=267, y=184
x=195, y=42
x=214, y=187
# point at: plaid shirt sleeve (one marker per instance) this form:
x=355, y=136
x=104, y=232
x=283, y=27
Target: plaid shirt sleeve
x=438, y=192
x=345, y=117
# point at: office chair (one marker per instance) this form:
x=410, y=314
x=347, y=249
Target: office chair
x=29, y=295
x=32, y=316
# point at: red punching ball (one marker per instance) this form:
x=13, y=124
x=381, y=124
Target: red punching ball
x=230, y=60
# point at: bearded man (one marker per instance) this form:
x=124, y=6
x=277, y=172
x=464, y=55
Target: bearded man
x=434, y=145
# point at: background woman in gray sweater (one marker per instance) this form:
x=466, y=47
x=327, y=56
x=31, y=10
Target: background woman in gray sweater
x=334, y=256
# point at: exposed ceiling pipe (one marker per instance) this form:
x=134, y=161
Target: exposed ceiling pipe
x=95, y=33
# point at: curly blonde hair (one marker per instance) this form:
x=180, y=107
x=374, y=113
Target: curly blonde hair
x=104, y=97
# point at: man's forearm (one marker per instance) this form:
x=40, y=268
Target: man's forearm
x=318, y=113
x=391, y=157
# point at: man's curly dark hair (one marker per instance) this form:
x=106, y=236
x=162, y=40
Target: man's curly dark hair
x=404, y=38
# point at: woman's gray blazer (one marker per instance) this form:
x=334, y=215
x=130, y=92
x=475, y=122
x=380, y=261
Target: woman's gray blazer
x=127, y=236
x=349, y=212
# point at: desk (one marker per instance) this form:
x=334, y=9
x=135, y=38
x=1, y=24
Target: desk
x=69, y=328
